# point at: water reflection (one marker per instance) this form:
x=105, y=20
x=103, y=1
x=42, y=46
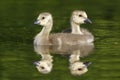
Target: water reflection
x=45, y=64
x=76, y=66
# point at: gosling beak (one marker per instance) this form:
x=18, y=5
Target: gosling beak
x=37, y=22
x=87, y=63
x=35, y=63
x=87, y=21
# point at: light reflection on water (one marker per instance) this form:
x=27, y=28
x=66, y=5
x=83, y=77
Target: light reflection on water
x=76, y=66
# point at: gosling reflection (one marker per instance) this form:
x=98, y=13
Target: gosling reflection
x=76, y=66
x=45, y=64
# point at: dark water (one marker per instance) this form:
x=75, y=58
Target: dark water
x=17, y=31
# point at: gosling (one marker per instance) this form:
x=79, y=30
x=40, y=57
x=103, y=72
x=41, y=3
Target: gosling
x=45, y=38
x=79, y=17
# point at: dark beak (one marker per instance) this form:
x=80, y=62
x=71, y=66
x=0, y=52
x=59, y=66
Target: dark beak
x=35, y=63
x=36, y=22
x=87, y=63
x=87, y=21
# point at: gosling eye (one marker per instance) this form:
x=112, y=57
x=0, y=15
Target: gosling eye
x=80, y=15
x=42, y=67
x=43, y=18
x=79, y=69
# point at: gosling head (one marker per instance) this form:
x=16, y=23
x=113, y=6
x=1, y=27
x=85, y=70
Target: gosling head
x=44, y=66
x=79, y=68
x=79, y=17
x=44, y=19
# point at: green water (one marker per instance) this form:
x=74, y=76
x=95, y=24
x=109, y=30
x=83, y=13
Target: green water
x=17, y=31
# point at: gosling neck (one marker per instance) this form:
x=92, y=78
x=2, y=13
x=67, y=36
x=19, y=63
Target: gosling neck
x=75, y=56
x=75, y=28
x=47, y=57
x=47, y=29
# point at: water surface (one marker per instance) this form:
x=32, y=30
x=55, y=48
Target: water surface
x=17, y=31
